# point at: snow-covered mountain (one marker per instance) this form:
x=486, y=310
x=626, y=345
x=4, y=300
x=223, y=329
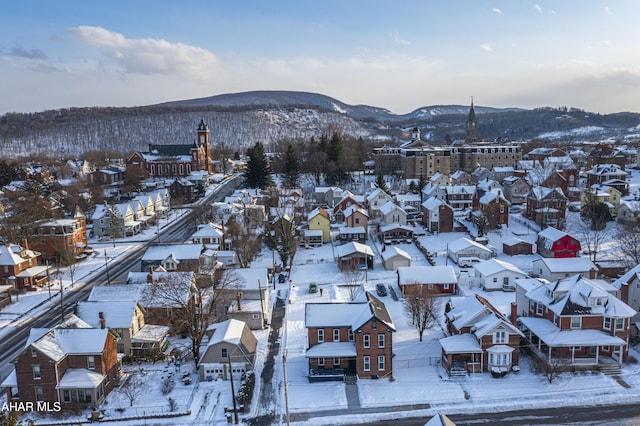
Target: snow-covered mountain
x=241, y=119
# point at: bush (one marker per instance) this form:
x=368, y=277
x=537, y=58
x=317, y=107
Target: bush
x=245, y=393
x=173, y=404
x=167, y=385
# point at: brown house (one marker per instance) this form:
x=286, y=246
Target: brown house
x=546, y=206
x=514, y=246
x=348, y=339
x=355, y=216
x=70, y=364
x=19, y=268
x=437, y=216
x=57, y=238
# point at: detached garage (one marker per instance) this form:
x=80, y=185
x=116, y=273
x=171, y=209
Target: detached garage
x=393, y=258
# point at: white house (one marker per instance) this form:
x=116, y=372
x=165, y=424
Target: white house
x=553, y=269
x=495, y=274
x=393, y=257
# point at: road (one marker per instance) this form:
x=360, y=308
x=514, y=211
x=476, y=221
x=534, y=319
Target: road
x=177, y=231
x=610, y=415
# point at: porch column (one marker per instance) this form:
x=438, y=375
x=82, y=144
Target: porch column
x=549, y=351
x=573, y=354
x=597, y=353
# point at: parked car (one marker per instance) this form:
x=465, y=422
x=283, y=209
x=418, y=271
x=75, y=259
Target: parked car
x=381, y=290
x=467, y=262
x=282, y=278
x=313, y=287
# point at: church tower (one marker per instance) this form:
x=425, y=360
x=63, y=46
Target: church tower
x=471, y=134
x=205, y=142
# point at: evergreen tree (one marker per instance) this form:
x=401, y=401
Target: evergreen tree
x=380, y=183
x=291, y=167
x=258, y=172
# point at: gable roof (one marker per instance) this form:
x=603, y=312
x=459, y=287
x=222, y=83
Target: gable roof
x=353, y=315
x=117, y=313
x=493, y=266
x=441, y=274
x=353, y=247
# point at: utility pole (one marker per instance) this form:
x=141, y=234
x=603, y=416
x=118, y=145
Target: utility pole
x=286, y=386
x=106, y=264
x=264, y=318
x=61, y=302
x=233, y=392
x=48, y=280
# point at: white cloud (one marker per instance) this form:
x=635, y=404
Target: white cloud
x=608, y=11
x=399, y=40
x=486, y=47
x=149, y=55
x=496, y=10
x=537, y=8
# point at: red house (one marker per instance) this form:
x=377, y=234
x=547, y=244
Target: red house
x=555, y=243
x=438, y=280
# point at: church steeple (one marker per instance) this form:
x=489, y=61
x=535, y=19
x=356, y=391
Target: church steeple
x=471, y=134
x=204, y=140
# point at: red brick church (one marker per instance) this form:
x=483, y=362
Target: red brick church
x=174, y=160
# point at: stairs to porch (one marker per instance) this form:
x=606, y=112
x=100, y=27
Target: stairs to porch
x=610, y=369
x=457, y=373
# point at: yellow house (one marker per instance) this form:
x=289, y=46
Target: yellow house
x=319, y=219
x=604, y=194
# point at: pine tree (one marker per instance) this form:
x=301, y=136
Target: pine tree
x=258, y=172
x=291, y=167
x=380, y=183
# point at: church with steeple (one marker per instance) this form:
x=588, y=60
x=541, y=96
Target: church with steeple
x=471, y=127
x=174, y=160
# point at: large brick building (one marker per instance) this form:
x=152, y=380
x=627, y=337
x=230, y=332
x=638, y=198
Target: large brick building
x=176, y=160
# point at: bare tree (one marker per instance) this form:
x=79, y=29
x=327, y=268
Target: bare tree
x=192, y=306
x=68, y=258
x=628, y=239
x=132, y=389
x=353, y=279
x=420, y=305
x=592, y=238
x=550, y=367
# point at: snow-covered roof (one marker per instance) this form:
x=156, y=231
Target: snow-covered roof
x=352, y=315
x=353, y=247
x=441, y=274
x=568, y=264
x=552, y=234
x=390, y=206
x=150, y=333
x=463, y=243
x=313, y=232
x=13, y=254
x=350, y=230
x=393, y=251
x=60, y=342
x=229, y=331
x=80, y=378
x=460, y=344
x=432, y=203
x=494, y=266
x=254, y=278
x=178, y=251
x=392, y=226
x=552, y=336
x=117, y=313
x=627, y=277
x=513, y=241
x=332, y=350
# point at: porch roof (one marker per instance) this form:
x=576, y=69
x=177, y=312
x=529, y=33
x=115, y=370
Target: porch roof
x=332, y=350
x=552, y=336
x=33, y=271
x=150, y=333
x=80, y=378
x=460, y=344
x=11, y=381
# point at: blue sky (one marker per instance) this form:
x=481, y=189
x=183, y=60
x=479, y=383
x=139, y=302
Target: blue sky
x=400, y=55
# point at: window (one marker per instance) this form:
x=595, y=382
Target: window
x=367, y=363
x=607, y=323
x=381, y=363
x=495, y=279
x=576, y=322
x=619, y=323
x=223, y=353
x=538, y=308
x=373, y=324
x=336, y=334
x=91, y=362
x=500, y=336
x=39, y=395
x=381, y=340
x=36, y=371
x=336, y=361
x=320, y=335
x=320, y=362
x=255, y=316
x=350, y=335
x=366, y=340
x=34, y=353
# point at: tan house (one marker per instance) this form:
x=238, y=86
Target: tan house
x=230, y=351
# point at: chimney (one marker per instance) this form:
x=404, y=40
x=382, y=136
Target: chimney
x=514, y=313
x=103, y=322
x=150, y=275
x=239, y=297
x=25, y=244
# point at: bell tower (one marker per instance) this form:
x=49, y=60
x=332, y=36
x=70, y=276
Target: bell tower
x=204, y=141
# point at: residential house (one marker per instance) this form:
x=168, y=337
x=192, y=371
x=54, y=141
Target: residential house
x=460, y=177
x=501, y=173
x=346, y=202
x=546, y=206
x=209, y=234
x=126, y=223
x=514, y=246
x=19, y=268
x=71, y=364
x=516, y=189
x=319, y=219
x=410, y=203
x=495, y=205
x=607, y=195
x=464, y=247
x=230, y=351
x=246, y=296
x=107, y=222
x=440, y=179
x=125, y=319
x=460, y=197
x=356, y=216
x=172, y=257
x=311, y=238
x=494, y=274
x=392, y=213
x=354, y=256
x=555, y=269
x=393, y=258
x=552, y=242
x=106, y=176
x=602, y=173
x=628, y=211
x=396, y=233
x=183, y=189
x=435, y=280
x=628, y=286
x=347, y=339
x=437, y=216
x=56, y=239
x=577, y=320
x=482, y=339
x=347, y=234
x=376, y=200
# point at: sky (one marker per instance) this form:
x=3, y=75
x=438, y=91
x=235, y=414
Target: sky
x=391, y=54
